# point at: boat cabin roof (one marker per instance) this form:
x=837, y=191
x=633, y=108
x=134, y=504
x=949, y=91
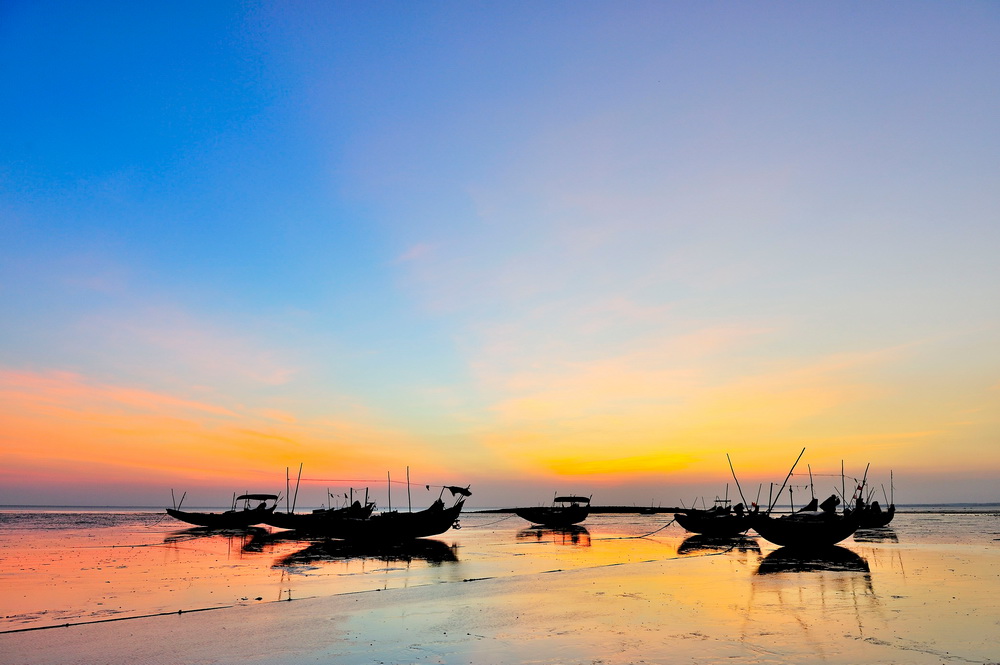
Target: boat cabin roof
x=257, y=497
x=573, y=499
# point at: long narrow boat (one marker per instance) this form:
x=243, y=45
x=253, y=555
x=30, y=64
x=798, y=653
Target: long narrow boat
x=231, y=519
x=719, y=521
x=807, y=529
x=564, y=511
x=319, y=521
x=398, y=526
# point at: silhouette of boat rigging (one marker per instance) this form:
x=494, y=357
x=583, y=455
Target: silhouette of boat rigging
x=795, y=560
x=230, y=519
x=564, y=511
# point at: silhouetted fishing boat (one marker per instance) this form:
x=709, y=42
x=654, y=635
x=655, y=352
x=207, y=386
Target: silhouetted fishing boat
x=808, y=529
x=319, y=521
x=231, y=519
x=395, y=526
x=719, y=521
x=564, y=511
x=873, y=517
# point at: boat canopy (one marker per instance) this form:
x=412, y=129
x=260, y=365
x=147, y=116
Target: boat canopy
x=257, y=497
x=573, y=499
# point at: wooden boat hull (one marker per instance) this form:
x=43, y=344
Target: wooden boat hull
x=877, y=519
x=806, y=533
x=713, y=524
x=232, y=519
x=556, y=516
x=396, y=526
x=318, y=522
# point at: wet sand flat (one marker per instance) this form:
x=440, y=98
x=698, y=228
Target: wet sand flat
x=514, y=595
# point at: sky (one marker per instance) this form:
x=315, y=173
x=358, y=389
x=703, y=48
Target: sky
x=527, y=247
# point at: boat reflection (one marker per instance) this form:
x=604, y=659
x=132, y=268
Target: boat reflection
x=194, y=533
x=700, y=543
x=426, y=549
x=566, y=535
x=791, y=560
x=877, y=535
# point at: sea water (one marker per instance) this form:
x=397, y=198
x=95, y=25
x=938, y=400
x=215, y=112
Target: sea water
x=922, y=590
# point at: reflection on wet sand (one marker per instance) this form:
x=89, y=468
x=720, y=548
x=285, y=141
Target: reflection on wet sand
x=566, y=535
x=877, y=535
x=790, y=560
x=426, y=549
x=251, y=539
x=700, y=543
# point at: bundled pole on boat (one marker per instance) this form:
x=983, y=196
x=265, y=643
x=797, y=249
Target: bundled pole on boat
x=409, y=502
x=812, y=492
x=738, y=488
x=181, y=501
x=288, y=493
x=843, y=483
x=388, y=484
x=891, y=490
x=234, y=501
x=884, y=496
x=771, y=506
x=864, y=481
x=297, y=480
x=173, y=501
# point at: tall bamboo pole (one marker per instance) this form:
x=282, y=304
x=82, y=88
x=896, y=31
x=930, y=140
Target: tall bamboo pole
x=740, y=489
x=770, y=507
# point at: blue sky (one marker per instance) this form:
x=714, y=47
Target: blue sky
x=590, y=245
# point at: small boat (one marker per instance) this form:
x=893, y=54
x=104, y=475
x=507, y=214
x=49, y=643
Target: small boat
x=873, y=517
x=395, y=526
x=720, y=521
x=808, y=529
x=319, y=521
x=231, y=519
x=564, y=511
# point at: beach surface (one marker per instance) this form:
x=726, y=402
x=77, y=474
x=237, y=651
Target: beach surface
x=923, y=591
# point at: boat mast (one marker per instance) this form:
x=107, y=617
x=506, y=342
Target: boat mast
x=409, y=502
x=771, y=506
x=740, y=489
x=297, y=480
